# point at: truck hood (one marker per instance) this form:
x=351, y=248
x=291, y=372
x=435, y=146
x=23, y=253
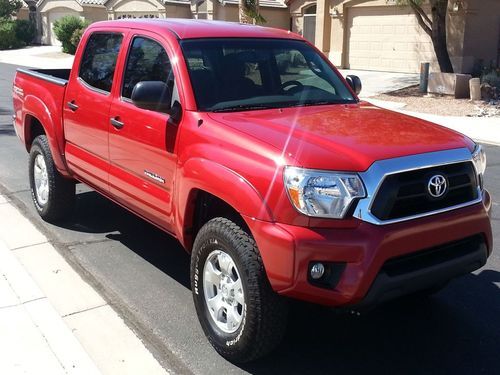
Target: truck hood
x=342, y=137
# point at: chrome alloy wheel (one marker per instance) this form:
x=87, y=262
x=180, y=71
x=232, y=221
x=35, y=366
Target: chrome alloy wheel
x=41, y=180
x=223, y=291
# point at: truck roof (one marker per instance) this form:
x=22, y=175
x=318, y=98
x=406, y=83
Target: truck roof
x=191, y=29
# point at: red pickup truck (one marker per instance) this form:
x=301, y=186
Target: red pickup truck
x=249, y=147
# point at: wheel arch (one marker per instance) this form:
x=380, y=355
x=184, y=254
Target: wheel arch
x=38, y=120
x=208, y=188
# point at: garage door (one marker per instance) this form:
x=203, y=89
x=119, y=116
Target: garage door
x=387, y=38
x=54, y=16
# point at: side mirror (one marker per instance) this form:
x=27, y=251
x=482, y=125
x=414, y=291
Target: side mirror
x=355, y=83
x=152, y=95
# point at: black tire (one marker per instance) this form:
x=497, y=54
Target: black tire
x=264, y=321
x=61, y=191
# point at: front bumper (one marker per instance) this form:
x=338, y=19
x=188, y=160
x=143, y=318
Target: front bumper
x=287, y=251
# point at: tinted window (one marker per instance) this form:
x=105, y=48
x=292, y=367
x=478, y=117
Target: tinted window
x=245, y=74
x=147, y=61
x=99, y=60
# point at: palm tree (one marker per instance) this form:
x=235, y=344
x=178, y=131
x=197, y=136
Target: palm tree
x=249, y=12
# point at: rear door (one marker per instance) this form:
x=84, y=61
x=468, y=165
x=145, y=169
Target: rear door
x=86, y=108
x=141, y=141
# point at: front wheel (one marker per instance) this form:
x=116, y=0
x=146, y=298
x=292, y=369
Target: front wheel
x=52, y=194
x=242, y=317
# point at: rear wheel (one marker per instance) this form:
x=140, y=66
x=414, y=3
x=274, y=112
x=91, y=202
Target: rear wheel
x=242, y=317
x=52, y=194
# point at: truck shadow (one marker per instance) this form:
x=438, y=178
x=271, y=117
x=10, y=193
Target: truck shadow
x=96, y=214
x=456, y=331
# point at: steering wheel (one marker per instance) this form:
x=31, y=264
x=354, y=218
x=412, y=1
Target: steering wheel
x=295, y=86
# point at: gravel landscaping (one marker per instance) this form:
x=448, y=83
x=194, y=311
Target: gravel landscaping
x=442, y=105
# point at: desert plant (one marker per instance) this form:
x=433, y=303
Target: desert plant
x=25, y=31
x=491, y=76
x=64, y=29
x=8, y=39
x=249, y=12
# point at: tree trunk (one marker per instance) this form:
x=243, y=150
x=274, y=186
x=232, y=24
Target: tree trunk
x=243, y=17
x=438, y=34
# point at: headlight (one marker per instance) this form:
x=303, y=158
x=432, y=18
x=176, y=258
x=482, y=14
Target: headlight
x=479, y=160
x=322, y=194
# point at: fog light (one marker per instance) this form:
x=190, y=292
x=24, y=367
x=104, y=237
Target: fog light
x=317, y=271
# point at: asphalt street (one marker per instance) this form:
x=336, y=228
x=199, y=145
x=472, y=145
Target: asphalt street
x=144, y=274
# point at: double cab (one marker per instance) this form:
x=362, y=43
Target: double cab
x=248, y=146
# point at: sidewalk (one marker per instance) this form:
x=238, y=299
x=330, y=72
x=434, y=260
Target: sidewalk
x=480, y=129
x=51, y=320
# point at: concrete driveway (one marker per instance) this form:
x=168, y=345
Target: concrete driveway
x=376, y=83
x=39, y=57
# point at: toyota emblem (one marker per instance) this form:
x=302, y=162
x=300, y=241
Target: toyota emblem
x=437, y=186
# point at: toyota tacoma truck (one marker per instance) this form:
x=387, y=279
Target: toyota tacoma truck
x=248, y=146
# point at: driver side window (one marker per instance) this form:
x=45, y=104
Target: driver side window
x=147, y=61
x=293, y=67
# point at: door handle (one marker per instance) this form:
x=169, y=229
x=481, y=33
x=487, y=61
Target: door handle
x=71, y=105
x=116, y=123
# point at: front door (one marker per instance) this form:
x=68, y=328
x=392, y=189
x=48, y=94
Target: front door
x=86, y=109
x=142, y=163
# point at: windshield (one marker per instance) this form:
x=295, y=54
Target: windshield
x=245, y=74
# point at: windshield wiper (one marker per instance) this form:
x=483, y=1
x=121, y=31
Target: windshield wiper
x=307, y=103
x=243, y=107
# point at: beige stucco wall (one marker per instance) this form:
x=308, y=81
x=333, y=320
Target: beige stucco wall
x=178, y=11
x=482, y=32
x=95, y=14
x=137, y=6
x=276, y=17
x=226, y=12
x=48, y=5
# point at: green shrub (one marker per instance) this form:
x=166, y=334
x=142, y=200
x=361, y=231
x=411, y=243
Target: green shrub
x=64, y=29
x=8, y=39
x=25, y=31
x=76, y=37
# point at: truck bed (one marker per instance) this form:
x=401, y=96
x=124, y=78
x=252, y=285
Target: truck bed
x=57, y=76
x=40, y=93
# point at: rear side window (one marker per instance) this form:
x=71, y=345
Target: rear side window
x=99, y=60
x=147, y=61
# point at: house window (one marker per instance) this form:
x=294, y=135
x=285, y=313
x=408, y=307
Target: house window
x=309, y=25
